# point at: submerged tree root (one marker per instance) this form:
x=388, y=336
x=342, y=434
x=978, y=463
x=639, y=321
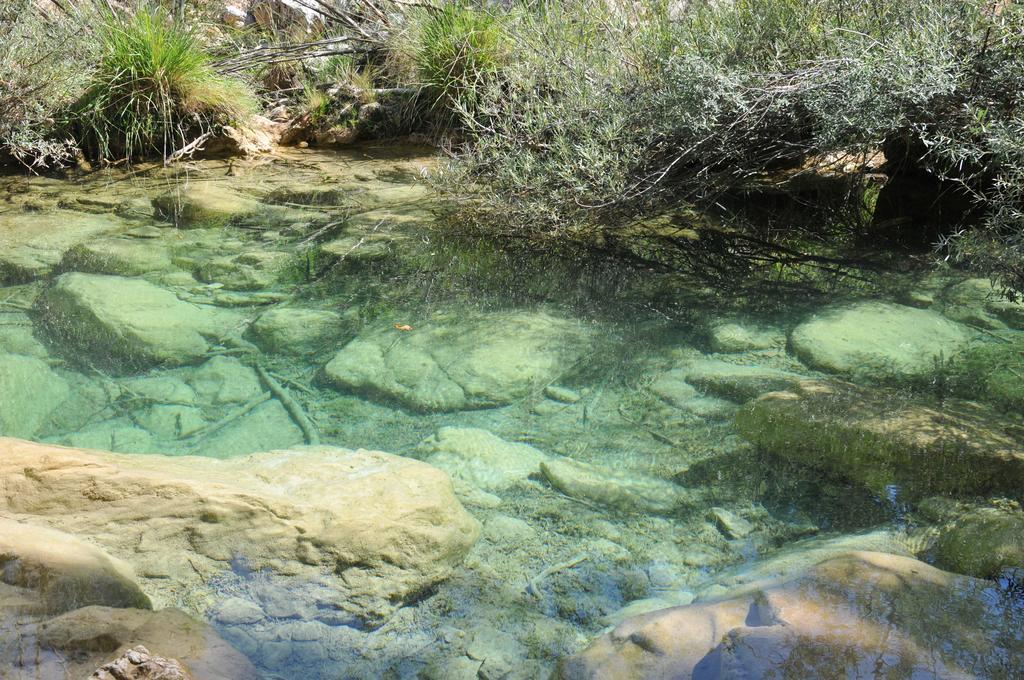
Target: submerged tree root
x=233, y=416
x=533, y=585
x=294, y=409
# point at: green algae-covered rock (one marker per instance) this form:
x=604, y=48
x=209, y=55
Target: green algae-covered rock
x=738, y=382
x=475, y=362
x=204, y=204
x=993, y=372
x=882, y=439
x=977, y=302
x=29, y=393
x=982, y=543
x=291, y=330
x=736, y=336
x=121, y=256
x=878, y=340
x=32, y=244
x=130, y=323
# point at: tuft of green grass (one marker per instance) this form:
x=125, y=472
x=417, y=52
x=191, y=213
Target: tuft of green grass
x=154, y=89
x=459, y=50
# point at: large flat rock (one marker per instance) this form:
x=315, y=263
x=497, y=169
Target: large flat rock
x=844, y=618
x=32, y=244
x=886, y=441
x=473, y=362
x=131, y=323
x=380, y=528
x=878, y=340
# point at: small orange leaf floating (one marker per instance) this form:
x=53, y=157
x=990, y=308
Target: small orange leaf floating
x=403, y=327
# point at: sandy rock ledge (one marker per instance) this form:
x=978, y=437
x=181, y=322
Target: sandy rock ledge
x=376, y=528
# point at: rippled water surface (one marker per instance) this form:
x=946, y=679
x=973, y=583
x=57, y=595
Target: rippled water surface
x=596, y=419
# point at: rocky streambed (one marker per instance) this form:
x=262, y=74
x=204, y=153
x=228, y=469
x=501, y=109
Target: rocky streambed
x=261, y=419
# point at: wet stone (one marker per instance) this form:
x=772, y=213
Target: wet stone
x=123, y=322
x=562, y=394
x=737, y=382
x=878, y=340
x=23, y=376
x=449, y=365
x=735, y=336
x=225, y=380
x=480, y=458
x=614, y=488
x=297, y=331
x=730, y=524
x=235, y=611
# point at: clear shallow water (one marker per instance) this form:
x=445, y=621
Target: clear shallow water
x=280, y=265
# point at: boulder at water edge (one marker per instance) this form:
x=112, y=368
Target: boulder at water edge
x=864, y=614
x=887, y=442
x=66, y=572
x=380, y=528
x=475, y=362
x=123, y=322
x=878, y=340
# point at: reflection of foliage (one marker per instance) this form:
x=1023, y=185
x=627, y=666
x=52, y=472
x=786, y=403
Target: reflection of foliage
x=606, y=117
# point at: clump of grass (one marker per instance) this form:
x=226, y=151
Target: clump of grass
x=459, y=49
x=153, y=90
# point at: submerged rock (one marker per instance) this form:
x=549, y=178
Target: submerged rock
x=729, y=523
x=837, y=620
x=378, y=529
x=268, y=426
x=628, y=492
x=983, y=543
x=67, y=572
x=479, y=458
x=29, y=394
x=32, y=244
x=19, y=339
x=878, y=340
x=993, y=372
x=246, y=272
x=733, y=336
x=203, y=204
x=737, y=382
x=486, y=360
x=89, y=637
x=977, y=302
x=291, y=330
x=119, y=256
x=887, y=442
x=130, y=323
x=224, y=380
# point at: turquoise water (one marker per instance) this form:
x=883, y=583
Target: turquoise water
x=232, y=308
